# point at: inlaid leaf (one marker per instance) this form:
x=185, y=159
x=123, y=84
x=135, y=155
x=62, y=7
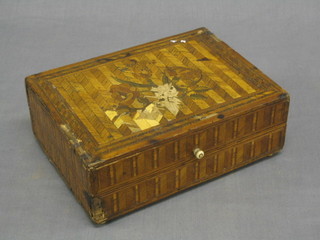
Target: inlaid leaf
x=151, y=83
x=202, y=89
x=165, y=79
x=197, y=96
x=134, y=83
x=145, y=101
x=181, y=88
x=203, y=59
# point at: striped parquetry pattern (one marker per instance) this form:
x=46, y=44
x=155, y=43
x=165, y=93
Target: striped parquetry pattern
x=166, y=183
x=118, y=98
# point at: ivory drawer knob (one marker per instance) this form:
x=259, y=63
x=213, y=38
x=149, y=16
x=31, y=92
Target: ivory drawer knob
x=198, y=153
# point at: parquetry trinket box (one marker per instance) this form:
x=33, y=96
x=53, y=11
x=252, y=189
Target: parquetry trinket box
x=132, y=127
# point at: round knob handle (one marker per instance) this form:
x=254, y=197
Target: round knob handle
x=198, y=153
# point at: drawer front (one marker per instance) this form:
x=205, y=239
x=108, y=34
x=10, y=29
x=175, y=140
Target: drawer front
x=181, y=150
x=149, y=190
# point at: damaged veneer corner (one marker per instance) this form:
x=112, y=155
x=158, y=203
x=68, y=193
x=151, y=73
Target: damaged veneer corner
x=76, y=143
x=205, y=30
x=96, y=209
x=95, y=204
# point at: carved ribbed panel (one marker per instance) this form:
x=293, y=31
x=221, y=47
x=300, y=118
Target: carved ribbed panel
x=180, y=150
x=193, y=173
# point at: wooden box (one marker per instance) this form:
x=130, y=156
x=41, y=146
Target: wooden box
x=132, y=127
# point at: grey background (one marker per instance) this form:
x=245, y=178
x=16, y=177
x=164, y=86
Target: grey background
x=277, y=198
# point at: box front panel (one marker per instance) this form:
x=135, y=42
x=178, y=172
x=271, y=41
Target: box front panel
x=172, y=153
x=136, y=195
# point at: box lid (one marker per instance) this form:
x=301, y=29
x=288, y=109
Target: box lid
x=138, y=97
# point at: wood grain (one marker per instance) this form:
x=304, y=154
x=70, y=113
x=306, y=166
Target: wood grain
x=121, y=128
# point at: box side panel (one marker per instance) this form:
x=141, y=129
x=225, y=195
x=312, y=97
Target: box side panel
x=163, y=184
x=62, y=154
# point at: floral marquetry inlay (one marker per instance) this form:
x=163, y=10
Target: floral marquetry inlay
x=123, y=96
x=145, y=103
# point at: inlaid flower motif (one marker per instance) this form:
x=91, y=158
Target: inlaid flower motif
x=189, y=76
x=144, y=99
x=167, y=96
x=148, y=117
x=124, y=94
x=140, y=69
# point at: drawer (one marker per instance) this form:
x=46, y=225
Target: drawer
x=181, y=150
x=128, y=197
